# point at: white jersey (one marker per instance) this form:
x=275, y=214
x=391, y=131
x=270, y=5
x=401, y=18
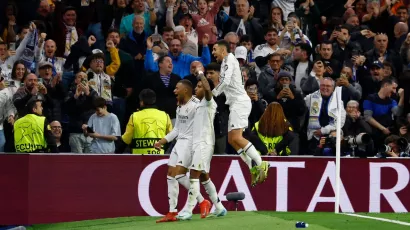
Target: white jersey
x=231, y=81
x=184, y=121
x=204, y=122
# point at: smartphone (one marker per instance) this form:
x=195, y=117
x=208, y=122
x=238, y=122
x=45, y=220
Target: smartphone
x=84, y=82
x=252, y=89
x=286, y=86
x=156, y=39
x=40, y=81
x=90, y=130
x=342, y=75
x=12, y=46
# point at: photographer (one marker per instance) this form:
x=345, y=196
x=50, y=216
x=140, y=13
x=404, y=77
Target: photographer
x=391, y=148
x=355, y=127
x=327, y=145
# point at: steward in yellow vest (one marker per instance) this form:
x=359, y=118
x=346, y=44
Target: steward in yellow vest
x=146, y=126
x=32, y=134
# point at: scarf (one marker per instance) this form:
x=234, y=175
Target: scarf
x=28, y=53
x=241, y=29
x=70, y=39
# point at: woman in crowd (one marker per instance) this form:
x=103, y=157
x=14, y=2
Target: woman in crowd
x=273, y=134
x=277, y=19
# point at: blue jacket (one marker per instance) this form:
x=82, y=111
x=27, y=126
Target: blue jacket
x=182, y=63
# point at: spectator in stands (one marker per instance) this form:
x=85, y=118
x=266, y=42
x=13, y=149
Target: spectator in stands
x=351, y=90
x=258, y=103
x=268, y=78
x=371, y=84
x=381, y=53
x=402, y=128
x=188, y=47
x=79, y=108
x=311, y=83
x=7, y=113
x=332, y=65
x=163, y=82
x=343, y=47
x=391, y=141
x=379, y=109
x=135, y=44
x=301, y=63
x=233, y=40
x=98, y=79
x=309, y=14
x=57, y=131
x=273, y=134
x=138, y=7
x=21, y=35
x=180, y=60
x=45, y=16
x=49, y=47
x=400, y=34
x=65, y=29
x=356, y=124
x=322, y=106
x=24, y=94
x=246, y=41
x=244, y=23
x=277, y=19
x=241, y=55
x=222, y=111
x=195, y=66
x=291, y=100
x=292, y=34
x=185, y=20
x=55, y=90
x=114, y=11
x=103, y=127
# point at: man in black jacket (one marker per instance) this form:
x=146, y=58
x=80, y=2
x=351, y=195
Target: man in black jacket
x=163, y=84
x=79, y=105
x=222, y=111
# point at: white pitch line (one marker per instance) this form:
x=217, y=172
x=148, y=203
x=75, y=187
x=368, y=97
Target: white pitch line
x=378, y=218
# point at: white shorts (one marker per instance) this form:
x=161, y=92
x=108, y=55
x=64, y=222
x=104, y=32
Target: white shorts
x=201, y=158
x=181, y=154
x=239, y=113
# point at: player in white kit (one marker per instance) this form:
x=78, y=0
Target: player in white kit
x=181, y=155
x=203, y=149
x=240, y=106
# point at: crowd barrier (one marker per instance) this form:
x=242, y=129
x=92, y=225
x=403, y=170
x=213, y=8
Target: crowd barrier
x=39, y=188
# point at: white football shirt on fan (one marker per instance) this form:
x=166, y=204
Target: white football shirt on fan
x=204, y=122
x=231, y=81
x=263, y=50
x=184, y=121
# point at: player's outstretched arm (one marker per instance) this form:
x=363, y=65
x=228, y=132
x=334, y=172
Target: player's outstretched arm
x=205, y=84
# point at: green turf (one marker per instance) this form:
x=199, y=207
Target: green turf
x=239, y=220
x=404, y=217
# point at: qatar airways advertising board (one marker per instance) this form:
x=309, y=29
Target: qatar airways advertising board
x=61, y=188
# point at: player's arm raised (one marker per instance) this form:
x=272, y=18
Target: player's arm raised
x=225, y=78
x=208, y=92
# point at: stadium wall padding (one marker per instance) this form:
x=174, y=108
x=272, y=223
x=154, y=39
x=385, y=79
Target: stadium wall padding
x=38, y=188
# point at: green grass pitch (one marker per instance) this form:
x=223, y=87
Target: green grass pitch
x=242, y=220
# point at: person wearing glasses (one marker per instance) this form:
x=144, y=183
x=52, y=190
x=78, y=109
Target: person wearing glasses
x=57, y=132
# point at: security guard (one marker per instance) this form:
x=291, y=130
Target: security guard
x=32, y=134
x=146, y=126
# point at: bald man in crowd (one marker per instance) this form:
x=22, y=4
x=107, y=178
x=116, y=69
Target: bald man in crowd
x=46, y=52
x=57, y=131
x=400, y=33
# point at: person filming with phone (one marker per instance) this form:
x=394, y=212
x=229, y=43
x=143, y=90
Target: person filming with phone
x=258, y=104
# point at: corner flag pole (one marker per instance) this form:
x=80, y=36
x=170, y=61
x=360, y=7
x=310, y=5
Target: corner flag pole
x=338, y=142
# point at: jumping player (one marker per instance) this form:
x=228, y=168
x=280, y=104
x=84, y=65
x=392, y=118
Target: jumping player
x=203, y=148
x=232, y=84
x=181, y=155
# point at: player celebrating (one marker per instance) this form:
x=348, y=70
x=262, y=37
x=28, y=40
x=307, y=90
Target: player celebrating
x=203, y=148
x=181, y=155
x=232, y=84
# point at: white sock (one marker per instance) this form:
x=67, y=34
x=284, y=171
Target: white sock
x=211, y=190
x=184, y=181
x=245, y=158
x=173, y=192
x=253, y=153
x=192, y=194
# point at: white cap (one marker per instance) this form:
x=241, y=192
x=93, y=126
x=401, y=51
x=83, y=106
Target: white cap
x=241, y=52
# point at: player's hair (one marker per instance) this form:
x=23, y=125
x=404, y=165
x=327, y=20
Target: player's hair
x=213, y=66
x=224, y=44
x=148, y=97
x=188, y=84
x=99, y=102
x=273, y=121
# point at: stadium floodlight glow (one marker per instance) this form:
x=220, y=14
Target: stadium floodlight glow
x=338, y=145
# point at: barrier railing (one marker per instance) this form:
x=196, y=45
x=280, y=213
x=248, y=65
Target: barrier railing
x=59, y=188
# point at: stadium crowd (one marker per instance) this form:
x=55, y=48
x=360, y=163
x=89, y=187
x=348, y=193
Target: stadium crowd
x=89, y=60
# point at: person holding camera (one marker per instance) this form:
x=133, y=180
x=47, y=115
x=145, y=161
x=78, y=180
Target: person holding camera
x=356, y=126
x=351, y=90
x=391, y=147
x=290, y=99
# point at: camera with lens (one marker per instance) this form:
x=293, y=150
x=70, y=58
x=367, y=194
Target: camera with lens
x=403, y=147
x=330, y=140
x=361, y=139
